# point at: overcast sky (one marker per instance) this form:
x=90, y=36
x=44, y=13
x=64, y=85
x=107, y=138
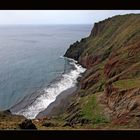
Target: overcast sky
x=57, y=16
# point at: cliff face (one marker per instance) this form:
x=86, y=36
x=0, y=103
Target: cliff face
x=111, y=55
x=109, y=92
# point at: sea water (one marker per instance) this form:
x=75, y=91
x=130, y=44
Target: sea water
x=31, y=61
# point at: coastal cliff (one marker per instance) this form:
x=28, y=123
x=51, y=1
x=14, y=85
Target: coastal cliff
x=111, y=83
x=108, y=96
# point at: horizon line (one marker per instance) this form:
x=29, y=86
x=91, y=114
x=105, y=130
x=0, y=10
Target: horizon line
x=52, y=24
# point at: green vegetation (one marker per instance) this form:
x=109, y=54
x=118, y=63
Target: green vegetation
x=127, y=83
x=116, y=32
x=9, y=121
x=91, y=110
x=110, y=53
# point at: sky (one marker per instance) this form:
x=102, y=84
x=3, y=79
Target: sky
x=37, y=17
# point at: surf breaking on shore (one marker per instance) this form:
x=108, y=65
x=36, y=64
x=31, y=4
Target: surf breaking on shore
x=68, y=80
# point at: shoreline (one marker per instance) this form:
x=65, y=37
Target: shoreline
x=59, y=105
x=62, y=100
x=54, y=108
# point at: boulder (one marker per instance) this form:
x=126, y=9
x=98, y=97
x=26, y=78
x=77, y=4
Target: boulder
x=27, y=124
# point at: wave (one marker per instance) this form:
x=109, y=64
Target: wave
x=68, y=80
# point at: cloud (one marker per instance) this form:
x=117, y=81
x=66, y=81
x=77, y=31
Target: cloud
x=58, y=16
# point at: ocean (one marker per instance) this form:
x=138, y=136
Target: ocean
x=32, y=66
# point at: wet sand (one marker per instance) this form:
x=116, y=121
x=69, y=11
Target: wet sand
x=60, y=104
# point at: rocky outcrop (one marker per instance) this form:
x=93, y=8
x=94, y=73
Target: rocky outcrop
x=124, y=105
x=27, y=124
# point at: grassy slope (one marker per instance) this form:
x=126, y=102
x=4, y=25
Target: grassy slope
x=127, y=83
x=115, y=42
x=9, y=121
x=117, y=47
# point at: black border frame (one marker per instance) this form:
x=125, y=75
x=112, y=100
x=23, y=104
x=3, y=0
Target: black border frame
x=70, y=5
x=71, y=134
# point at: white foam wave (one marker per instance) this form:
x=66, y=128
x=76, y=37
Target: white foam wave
x=67, y=81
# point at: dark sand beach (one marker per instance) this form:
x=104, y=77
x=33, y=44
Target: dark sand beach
x=60, y=104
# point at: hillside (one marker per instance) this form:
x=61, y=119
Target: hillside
x=108, y=96
x=112, y=80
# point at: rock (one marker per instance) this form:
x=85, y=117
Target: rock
x=133, y=106
x=8, y=112
x=27, y=124
x=66, y=124
x=85, y=121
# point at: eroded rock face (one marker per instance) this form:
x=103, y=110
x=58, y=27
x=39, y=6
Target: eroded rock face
x=124, y=104
x=98, y=28
x=110, y=54
x=90, y=81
